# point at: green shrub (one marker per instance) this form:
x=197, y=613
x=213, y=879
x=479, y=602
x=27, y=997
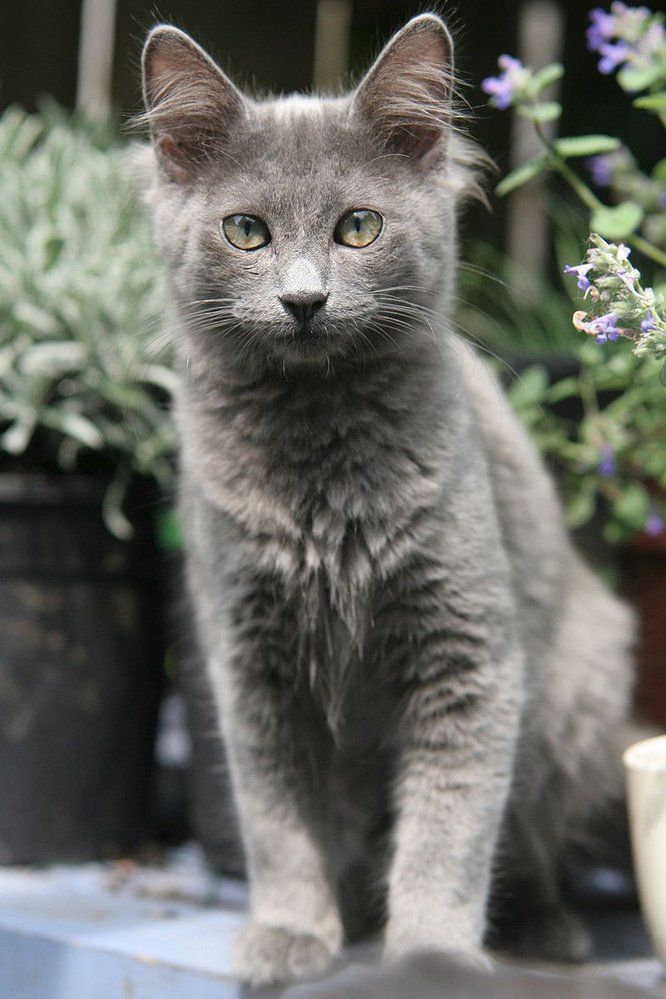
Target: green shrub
x=85, y=377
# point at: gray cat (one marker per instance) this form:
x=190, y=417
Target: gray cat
x=418, y=680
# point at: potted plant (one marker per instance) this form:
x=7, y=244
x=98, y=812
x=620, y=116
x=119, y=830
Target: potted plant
x=86, y=448
x=612, y=460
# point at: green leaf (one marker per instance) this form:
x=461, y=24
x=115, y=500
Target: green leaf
x=39, y=320
x=618, y=222
x=52, y=358
x=112, y=507
x=546, y=76
x=530, y=388
x=548, y=111
x=521, y=175
x=77, y=426
x=614, y=533
x=586, y=145
x=159, y=375
x=659, y=171
x=633, y=506
x=563, y=389
x=662, y=374
x=651, y=102
x=16, y=439
x=581, y=506
x=633, y=79
x=168, y=530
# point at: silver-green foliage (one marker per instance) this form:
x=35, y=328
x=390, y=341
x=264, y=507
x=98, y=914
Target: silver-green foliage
x=81, y=303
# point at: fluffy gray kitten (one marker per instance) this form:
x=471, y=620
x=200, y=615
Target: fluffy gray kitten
x=418, y=680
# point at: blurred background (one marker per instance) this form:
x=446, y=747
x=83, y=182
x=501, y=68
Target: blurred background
x=285, y=46
x=107, y=741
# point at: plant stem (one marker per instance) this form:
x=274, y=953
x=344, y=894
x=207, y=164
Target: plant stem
x=648, y=250
x=588, y=395
x=588, y=197
x=591, y=201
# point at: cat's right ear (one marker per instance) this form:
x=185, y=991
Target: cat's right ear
x=190, y=103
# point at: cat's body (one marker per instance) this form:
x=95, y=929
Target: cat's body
x=418, y=680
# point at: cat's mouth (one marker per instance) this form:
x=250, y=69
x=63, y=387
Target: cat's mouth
x=309, y=341
x=303, y=331
x=308, y=330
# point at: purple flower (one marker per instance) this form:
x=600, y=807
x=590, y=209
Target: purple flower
x=607, y=465
x=608, y=167
x=628, y=277
x=510, y=64
x=648, y=323
x=502, y=88
x=581, y=270
x=626, y=34
x=613, y=55
x=604, y=327
x=601, y=169
x=654, y=525
x=601, y=29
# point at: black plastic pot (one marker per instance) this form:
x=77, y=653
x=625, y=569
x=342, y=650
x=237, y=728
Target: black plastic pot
x=212, y=813
x=81, y=657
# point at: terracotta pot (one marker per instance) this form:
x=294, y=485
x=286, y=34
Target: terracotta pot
x=643, y=564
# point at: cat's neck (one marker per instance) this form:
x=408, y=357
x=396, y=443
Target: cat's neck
x=299, y=442
x=313, y=403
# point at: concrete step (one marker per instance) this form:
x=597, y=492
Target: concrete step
x=165, y=931
x=80, y=933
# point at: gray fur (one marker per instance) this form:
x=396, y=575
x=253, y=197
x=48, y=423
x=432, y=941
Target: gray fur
x=417, y=678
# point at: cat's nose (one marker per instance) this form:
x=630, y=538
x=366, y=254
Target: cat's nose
x=303, y=305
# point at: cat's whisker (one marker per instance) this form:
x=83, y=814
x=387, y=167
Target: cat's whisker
x=466, y=265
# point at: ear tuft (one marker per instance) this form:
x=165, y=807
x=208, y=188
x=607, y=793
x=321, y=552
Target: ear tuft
x=189, y=101
x=406, y=94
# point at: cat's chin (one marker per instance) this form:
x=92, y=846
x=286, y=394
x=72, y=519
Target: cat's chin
x=310, y=347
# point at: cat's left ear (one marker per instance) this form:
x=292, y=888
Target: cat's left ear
x=406, y=95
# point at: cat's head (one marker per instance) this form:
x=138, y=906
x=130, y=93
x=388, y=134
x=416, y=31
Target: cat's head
x=300, y=230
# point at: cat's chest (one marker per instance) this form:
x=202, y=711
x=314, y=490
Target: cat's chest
x=324, y=509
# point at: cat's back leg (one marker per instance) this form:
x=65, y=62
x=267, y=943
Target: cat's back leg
x=586, y=695
x=569, y=769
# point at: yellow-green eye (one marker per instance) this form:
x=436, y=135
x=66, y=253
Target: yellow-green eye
x=358, y=228
x=246, y=232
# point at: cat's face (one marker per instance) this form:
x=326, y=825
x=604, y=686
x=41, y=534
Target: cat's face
x=303, y=230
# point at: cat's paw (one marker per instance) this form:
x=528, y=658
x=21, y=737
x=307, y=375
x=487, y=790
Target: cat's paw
x=267, y=955
x=475, y=960
x=400, y=944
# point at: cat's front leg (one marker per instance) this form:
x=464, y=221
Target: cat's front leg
x=295, y=928
x=458, y=741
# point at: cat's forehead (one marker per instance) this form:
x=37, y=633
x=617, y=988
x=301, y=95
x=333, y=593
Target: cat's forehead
x=300, y=132
x=303, y=154
x=302, y=112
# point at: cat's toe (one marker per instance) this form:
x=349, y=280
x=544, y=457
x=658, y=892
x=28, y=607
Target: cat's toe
x=308, y=957
x=266, y=955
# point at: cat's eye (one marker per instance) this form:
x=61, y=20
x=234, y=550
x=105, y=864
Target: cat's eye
x=246, y=232
x=358, y=228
